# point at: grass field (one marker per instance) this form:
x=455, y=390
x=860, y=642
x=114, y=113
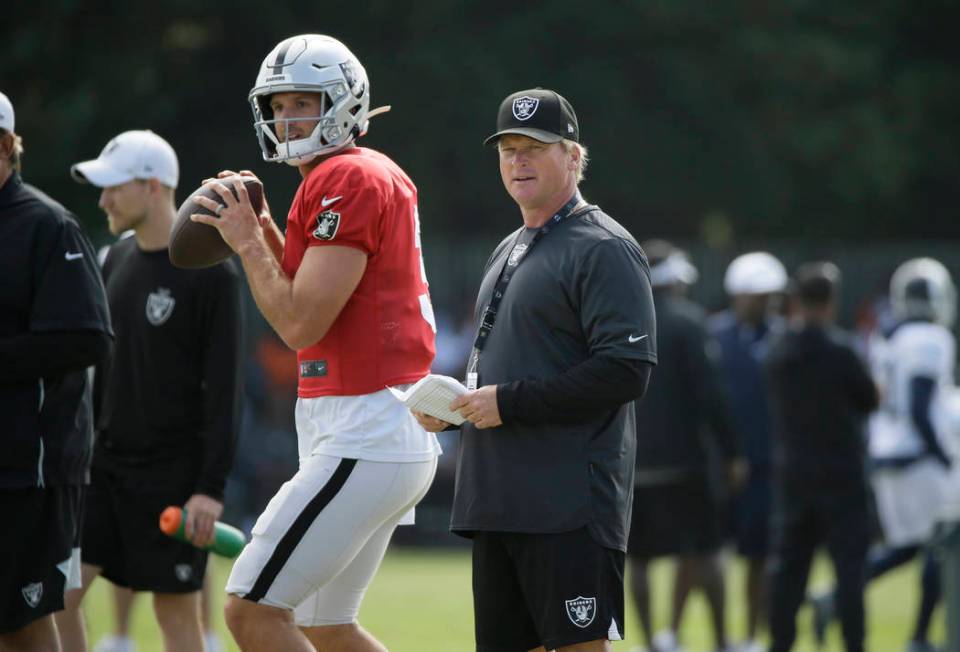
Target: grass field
x=420, y=602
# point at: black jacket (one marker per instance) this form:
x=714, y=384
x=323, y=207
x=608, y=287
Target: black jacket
x=821, y=393
x=685, y=402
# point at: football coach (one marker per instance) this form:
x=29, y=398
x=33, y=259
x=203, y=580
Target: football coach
x=565, y=343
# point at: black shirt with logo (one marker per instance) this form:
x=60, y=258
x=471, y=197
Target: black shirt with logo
x=580, y=297
x=50, y=285
x=168, y=401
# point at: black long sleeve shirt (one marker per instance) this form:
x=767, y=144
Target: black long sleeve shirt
x=686, y=403
x=54, y=323
x=821, y=393
x=168, y=402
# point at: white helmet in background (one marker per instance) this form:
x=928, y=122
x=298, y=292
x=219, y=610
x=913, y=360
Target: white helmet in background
x=312, y=63
x=922, y=288
x=755, y=273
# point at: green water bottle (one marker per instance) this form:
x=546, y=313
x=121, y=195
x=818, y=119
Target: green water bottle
x=228, y=541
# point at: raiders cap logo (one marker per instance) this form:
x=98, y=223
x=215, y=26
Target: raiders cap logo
x=524, y=107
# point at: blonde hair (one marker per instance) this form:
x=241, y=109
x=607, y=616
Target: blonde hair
x=569, y=146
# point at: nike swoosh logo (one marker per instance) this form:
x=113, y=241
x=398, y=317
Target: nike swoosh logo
x=326, y=202
x=70, y=256
x=633, y=339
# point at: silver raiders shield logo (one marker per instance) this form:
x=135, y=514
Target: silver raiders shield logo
x=327, y=224
x=581, y=611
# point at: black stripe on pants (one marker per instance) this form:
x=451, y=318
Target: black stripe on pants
x=299, y=528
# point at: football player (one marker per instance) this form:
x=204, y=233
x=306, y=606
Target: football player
x=913, y=365
x=346, y=288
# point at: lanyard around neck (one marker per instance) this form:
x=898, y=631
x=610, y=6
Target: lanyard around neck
x=521, y=248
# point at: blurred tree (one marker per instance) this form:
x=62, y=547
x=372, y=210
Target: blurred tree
x=795, y=118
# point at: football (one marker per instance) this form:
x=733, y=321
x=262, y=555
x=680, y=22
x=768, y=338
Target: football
x=194, y=245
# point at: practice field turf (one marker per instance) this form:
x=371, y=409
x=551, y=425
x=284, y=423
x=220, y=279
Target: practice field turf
x=420, y=602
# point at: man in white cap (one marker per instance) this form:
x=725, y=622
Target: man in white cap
x=744, y=334
x=54, y=323
x=167, y=404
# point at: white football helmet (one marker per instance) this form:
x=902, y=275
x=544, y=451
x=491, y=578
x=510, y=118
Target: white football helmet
x=922, y=288
x=315, y=64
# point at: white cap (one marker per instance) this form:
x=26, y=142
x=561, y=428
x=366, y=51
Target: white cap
x=675, y=268
x=131, y=155
x=755, y=273
x=6, y=113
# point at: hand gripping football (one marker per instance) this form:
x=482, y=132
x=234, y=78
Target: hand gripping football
x=194, y=245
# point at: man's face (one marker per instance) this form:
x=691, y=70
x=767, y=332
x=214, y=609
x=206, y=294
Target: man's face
x=286, y=106
x=7, y=143
x=535, y=173
x=751, y=308
x=125, y=205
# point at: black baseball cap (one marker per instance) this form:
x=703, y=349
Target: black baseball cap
x=539, y=113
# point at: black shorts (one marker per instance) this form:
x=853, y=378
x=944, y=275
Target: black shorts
x=545, y=589
x=41, y=533
x=678, y=518
x=121, y=535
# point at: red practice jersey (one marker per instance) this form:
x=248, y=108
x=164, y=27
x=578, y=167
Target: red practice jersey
x=385, y=333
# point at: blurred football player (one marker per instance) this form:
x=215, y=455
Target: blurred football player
x=745, y=333
x=346, y=288
x=913, y=364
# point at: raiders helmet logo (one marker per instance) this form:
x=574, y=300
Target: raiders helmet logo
x=32, y=594
x=581, y=611
x=351, y=74
x=524, y=107
x=160, y=306
x=327, y=224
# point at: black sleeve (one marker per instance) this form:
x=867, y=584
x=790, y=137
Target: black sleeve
x=43, y=355
x=921, y=394
x=596, y=385
x=707, y=390
x=222, y=379
x=70, y=295
x=615, y=302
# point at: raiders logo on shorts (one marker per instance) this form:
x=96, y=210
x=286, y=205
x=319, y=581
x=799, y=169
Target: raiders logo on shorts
x=183, y=572
x=327, y=224
x=581, y=611
x=32, y=593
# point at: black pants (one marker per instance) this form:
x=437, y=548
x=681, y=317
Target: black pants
x=806, y=517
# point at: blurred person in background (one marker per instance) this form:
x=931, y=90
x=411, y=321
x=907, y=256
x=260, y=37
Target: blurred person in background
x=54, y=324
x=821, y=393
x=167, y=402
x=913, y=363
x=682, y=419
x=753, y=281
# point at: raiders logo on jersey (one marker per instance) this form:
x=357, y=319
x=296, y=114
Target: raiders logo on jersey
x=327, y=224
